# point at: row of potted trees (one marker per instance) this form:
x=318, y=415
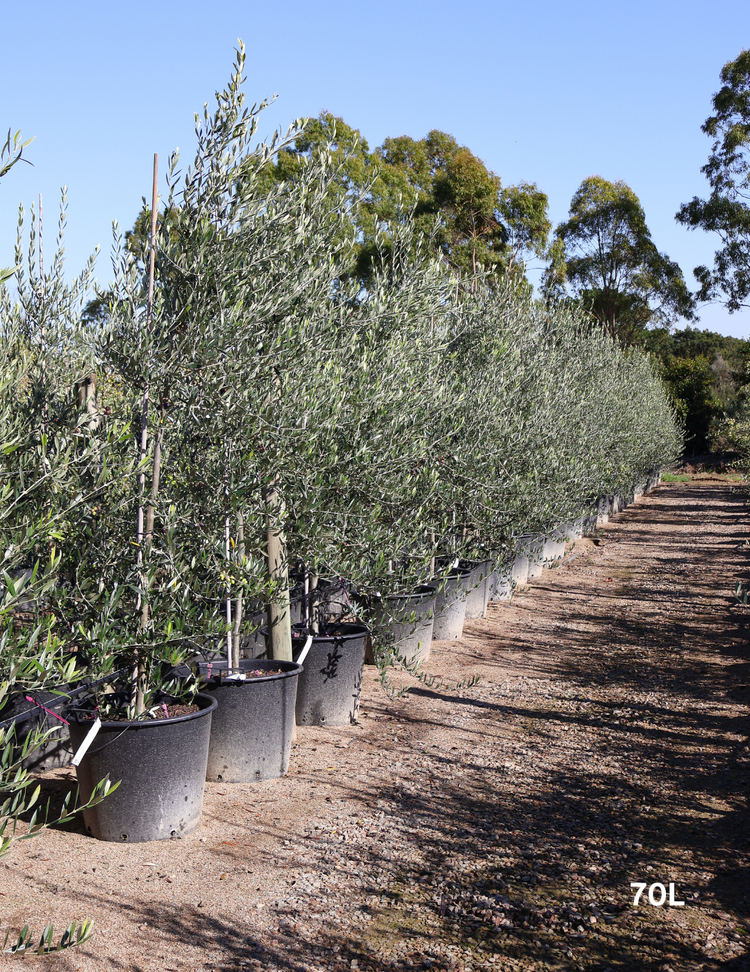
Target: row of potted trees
x=238, y=418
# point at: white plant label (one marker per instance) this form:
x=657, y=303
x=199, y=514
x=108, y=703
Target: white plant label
x=657, y=894
x=90, y=737
x=303, y=653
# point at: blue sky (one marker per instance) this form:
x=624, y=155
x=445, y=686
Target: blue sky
x=548, y=93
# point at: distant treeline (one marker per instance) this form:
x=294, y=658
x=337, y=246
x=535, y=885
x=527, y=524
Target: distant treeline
x=708, y=376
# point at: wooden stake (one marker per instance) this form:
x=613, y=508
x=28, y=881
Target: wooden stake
x=139, y=673
x=42, y=321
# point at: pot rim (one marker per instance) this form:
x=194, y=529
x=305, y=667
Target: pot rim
x=422, y=592
x=73, y=713
x=216, y=679
x=355, y=631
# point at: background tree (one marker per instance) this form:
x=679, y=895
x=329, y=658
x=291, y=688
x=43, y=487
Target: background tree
x=374, y=192
x=449, y=193
x=707, y=374
x=524, y=209
x=726, y=210
x=481, y=225
x=607, y=256
x=689, y=382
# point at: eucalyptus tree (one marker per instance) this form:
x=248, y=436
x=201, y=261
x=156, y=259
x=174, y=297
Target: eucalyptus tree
x=606, y=255
x=727, y=210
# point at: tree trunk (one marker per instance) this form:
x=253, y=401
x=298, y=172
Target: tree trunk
x=140, y=704
x=238, y=599
x=279, y=620
x=314, y=605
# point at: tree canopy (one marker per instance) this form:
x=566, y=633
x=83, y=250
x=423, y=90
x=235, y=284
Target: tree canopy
x=605, y=253
x=726, y=211
x=455, y=200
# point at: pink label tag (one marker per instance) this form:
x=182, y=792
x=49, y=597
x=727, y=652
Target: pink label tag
x=48, y=711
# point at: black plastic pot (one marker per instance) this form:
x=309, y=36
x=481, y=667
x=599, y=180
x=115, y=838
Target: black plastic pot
x=549, y=551
x=479, y=590
x=500, y=583
x=519, y=571
x=253, y=645
x=251, y=730
x=531, y=546
x=409, y=619
x=589, y=524
x=330, y=598
x=450, y=604
x=161, y=766
x=574, y=529
x=330, y=683
x=554, y=545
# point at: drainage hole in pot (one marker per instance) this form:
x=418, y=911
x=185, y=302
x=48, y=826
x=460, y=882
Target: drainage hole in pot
x=219, y=778
x=257, y=774
x=123, y=836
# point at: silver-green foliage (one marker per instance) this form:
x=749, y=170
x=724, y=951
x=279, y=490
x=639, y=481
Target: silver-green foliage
x=423, y=416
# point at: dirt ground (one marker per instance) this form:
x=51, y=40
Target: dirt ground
x=497, y=827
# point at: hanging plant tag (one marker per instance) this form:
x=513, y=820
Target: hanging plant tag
x=90, y=737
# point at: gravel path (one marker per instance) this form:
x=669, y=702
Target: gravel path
x=499, y=827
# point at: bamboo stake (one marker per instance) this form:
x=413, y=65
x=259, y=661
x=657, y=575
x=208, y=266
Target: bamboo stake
x=228, y=590
x=42, y=320
x=306, y=599
x=139, y=671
